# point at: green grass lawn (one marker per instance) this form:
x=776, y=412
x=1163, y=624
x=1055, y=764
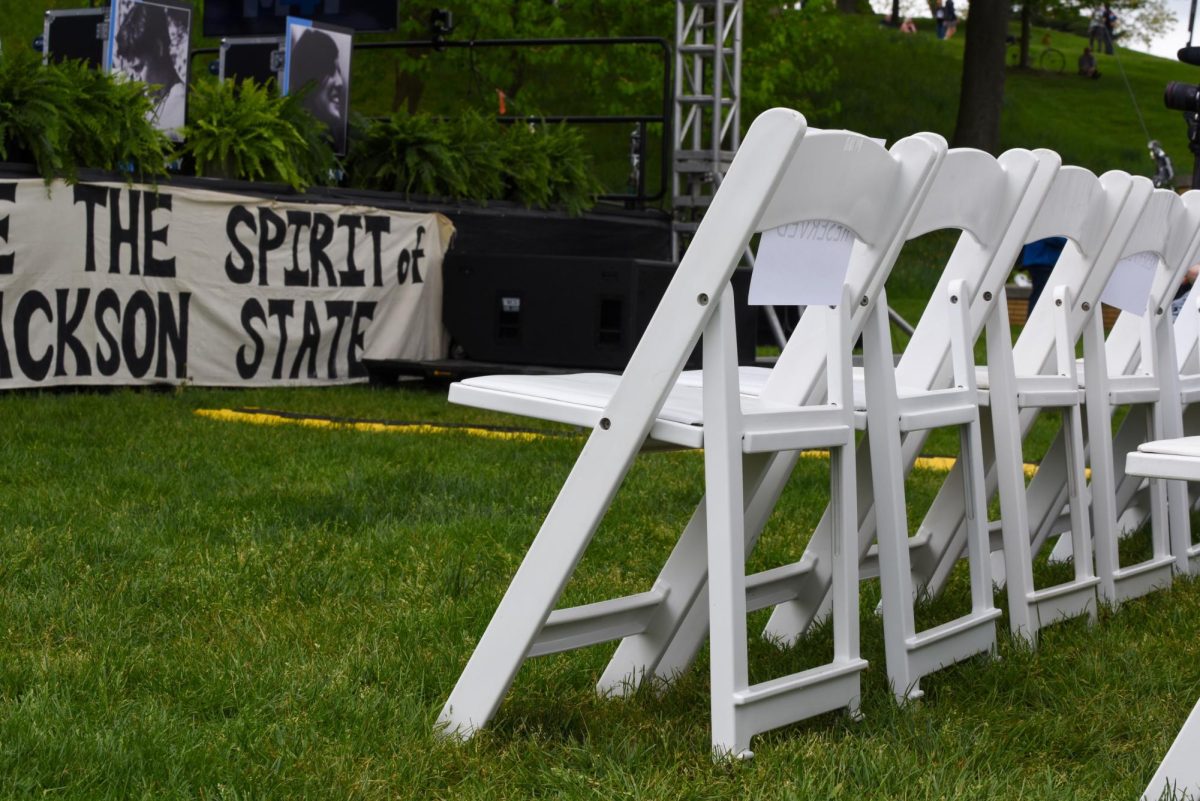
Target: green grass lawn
x=200, y=609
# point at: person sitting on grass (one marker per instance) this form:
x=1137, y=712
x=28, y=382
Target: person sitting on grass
x=1087, y=64
x=908, y=26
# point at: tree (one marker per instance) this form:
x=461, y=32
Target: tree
x=1140, y=20
x=981, y=96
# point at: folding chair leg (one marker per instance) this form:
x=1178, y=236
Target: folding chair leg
x=913, y=654
x=675, y=633
x=725, y=516
x=739, y=709
x=1119, y=583
x=535, y=589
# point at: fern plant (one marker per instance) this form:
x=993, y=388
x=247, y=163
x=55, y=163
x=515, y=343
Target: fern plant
x=32, y=125
x=412, y=154
x=547, y=165
x=65, y=116
x=244, y=131
x=474, y=158
x=109, y=125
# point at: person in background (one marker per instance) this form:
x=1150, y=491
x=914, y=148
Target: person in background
x=951, y=18
x=908, y=26
x=1087, y=64
x=1039, y=258
x=1185, y=289
x=1096, y=27
x=1110, y=23
x=939, y=18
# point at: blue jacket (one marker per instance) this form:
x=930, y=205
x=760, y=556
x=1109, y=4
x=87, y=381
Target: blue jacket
x=1043, y=251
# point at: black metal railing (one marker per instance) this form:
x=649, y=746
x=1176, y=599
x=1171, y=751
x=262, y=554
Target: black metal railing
x=639, y=196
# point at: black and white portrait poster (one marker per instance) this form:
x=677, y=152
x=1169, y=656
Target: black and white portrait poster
x=148, y=41
x=317, y=62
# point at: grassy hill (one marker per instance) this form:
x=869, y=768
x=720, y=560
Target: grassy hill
x=891, y=85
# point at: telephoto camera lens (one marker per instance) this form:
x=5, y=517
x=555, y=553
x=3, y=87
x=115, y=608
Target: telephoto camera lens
x=1182, y=96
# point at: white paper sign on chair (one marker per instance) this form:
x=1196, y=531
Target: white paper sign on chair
x=1129, y=286
x=801, y=264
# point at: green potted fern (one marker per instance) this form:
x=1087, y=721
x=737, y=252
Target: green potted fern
x=65, y=116
x=474, y=158
x=245, y=131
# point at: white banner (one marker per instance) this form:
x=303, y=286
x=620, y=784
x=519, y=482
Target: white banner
x=119, y=284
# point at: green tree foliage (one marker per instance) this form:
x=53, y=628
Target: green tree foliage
x=792, y=61
x=1138, y=21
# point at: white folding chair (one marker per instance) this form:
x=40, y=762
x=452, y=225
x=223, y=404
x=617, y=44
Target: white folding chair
x=933, y=385
x=1178, y=371
x=776, y=179
x=1039, y=373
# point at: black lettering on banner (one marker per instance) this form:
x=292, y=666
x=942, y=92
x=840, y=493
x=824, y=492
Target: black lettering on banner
x=299, y=220
x=8, y=192
x=151, y=265
x=123, y=235
x=339, y=311
x=173, y=334
x=67, y=323
x=32, y=301
x=5, y=366
x=322, y=237
x=247, y=366
x=376, y=227
x=239, y=215
x=351, y=276
x=90, y=197
x=411, y=259
x=309, y=342
x=283, y=309
x=140, y=305
x=268, y=240
x=362, y=311
x=107, y=301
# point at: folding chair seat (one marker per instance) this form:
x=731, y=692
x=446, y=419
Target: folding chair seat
x=1177, y=459
x=1040, y=373
x=780, y=176
x=994, y=203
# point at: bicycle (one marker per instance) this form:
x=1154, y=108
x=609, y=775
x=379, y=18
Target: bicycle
x=1050, y=59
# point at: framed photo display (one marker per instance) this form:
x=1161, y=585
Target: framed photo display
x=148, y=41
x=316, y=61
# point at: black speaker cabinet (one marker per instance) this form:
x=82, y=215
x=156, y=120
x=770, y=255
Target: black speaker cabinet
x=561, y=311
x=260, y=58
x=76, y=33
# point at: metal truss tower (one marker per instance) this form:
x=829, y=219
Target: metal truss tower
x=708, y=87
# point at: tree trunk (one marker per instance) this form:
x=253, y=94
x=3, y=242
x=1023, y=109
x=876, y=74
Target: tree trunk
x=1026, y=31
x=848, y=6
x=982, y=93
x=896, y=12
